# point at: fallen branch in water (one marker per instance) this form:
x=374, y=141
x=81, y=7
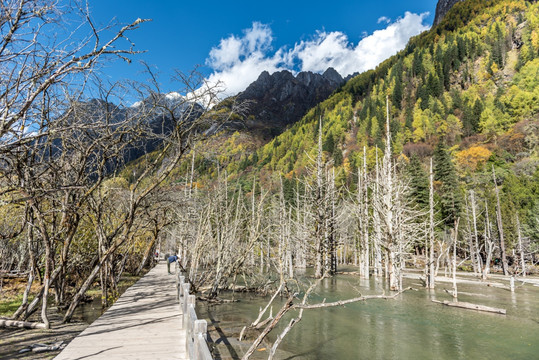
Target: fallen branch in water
x=257, y=324
x=349, y=301
x=289, y=305
x=470, y=306
x=216, y=300
x=292, y=322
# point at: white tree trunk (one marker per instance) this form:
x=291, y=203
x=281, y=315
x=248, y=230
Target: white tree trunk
x=365, y=224
x=431, y=274
x=476, y=237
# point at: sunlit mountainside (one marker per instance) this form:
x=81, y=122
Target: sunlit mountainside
x=470, y=83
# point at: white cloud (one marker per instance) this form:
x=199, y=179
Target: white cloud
x=227, y=54
x=384, y=19
x=238, y=61
x=335, y=50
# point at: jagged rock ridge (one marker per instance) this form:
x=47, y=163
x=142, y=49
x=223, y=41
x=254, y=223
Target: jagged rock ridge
x=280, y=99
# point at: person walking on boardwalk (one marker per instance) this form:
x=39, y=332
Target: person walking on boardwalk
x=170, y=260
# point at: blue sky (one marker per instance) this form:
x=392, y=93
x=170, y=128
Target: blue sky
x=234, y=41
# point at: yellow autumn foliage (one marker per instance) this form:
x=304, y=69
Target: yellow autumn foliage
x=472, y=157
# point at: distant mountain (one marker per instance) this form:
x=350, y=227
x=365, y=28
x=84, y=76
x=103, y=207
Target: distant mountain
x=281, y=99
x=156, y=116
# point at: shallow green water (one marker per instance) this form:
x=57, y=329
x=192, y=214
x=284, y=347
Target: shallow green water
x=409, y=327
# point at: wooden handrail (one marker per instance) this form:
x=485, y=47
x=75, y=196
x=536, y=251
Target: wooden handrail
x=196, y=330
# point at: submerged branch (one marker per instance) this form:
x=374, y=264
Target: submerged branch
x=289, y=305
x=349, y=301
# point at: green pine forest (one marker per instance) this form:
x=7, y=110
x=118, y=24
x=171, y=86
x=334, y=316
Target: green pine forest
x=465, y=93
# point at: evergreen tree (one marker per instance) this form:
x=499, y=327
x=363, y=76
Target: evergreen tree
x=449, y=190
x=396, y=73
x=289, y=190
x=419, y=182
x=477, y=111
x=417, y=64
x=498, y=46
x=329, y=144
x=434, y=86
x=461, y=48
x=337, y=157
x=423, y=95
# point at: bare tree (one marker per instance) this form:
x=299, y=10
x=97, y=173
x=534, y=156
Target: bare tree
x=398, y=228
x=489, y=243
x=430, y=272
x=321, y=197
x=35, y=58
x=473, y=204
x=362, y=213
x=505, y=266
x=188, y=120
x=226, y=231
x=47, y=151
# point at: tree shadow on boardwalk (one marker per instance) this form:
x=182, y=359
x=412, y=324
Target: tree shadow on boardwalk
x=120, y=328
x=97, y=353
x=136, y=308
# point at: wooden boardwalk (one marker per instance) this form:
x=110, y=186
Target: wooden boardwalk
x=145, y=323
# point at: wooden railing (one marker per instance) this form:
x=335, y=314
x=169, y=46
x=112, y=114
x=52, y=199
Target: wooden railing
x=195, y=330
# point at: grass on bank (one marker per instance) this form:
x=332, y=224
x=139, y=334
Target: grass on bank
x=11, y=292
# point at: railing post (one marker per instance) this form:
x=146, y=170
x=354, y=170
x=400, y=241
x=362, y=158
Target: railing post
x=185, y=307
x=200, y=328
x=195, y=330
x=185, y=294
x=191, y=318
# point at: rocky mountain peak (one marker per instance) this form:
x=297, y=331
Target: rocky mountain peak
x=280, y=99
x=332, y=75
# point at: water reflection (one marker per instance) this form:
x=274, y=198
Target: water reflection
x=409, y=327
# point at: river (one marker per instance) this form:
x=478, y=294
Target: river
x=408, y=327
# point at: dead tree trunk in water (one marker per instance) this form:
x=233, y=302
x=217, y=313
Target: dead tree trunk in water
x=476, y=237
x=332, y=228
x=377, y=226
x=489, y=244
x=360, y=244
x=365, y=223
x=387, y=208
x=454, y=271
x=505, y=266
x=318, y=211
x=324, y=220
x=470, y=236
x=431, y=277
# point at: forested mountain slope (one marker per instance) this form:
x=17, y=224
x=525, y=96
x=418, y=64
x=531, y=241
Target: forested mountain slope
x=469, y=88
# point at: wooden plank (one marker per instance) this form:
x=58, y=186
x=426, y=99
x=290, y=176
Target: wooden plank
x=470, y=306
x=145, y=323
